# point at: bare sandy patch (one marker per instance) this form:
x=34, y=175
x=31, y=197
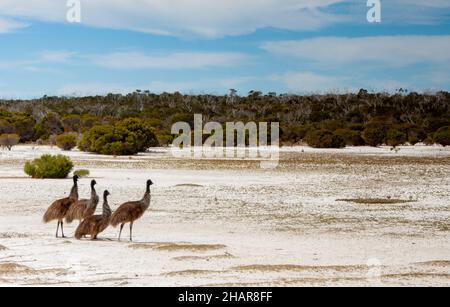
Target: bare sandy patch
x=189, y=185
x=204, y=258
x=174, y=247
x=440, y=263
x=190, y=273
x=375, y=201
x=190, y=247
x=417, y=275
x=145, y=245
x=296, y=268
x=13, y=235
x=292, y=282
x=14, y=268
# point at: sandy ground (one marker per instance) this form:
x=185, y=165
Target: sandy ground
x=231, y=223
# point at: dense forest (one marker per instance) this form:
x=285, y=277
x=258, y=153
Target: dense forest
x=323, y=121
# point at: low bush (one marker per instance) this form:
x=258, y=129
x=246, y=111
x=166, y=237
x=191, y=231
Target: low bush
x=374, y=134
x=442, y=136
x=49, y=167
x=82, y=173
x=396, y=138
x=324, y=139
x=127, y=137
x=66, y=141
x=416, y=135
x=9, y=140
x=351, y=137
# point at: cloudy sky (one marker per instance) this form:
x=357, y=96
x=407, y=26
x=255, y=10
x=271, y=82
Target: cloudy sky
x=210, y=46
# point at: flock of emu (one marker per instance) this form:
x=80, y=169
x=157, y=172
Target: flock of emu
x=72, y=208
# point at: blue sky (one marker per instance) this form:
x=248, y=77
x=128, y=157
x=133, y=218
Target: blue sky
x=210, y=46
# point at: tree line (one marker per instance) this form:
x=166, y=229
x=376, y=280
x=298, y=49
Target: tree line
x=126, y=124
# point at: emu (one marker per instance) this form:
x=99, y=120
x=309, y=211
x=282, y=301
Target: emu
x=85, y=207
x=58, y=210
x=131, y=211
x=95, y=224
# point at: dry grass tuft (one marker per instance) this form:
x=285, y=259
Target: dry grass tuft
x=204, y=258
x=190, y=272
x=416, y=275
x=292, y=268
x=13, y=235
x=435, y=263
x=10, y=268
x=190, y=247
x=189, y=185
x=375, y=201
x=173, y=247
x=443, y=227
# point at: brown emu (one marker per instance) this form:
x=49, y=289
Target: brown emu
x=131, y=211
x=84, y=208
x=58, y=210
x=95, y=224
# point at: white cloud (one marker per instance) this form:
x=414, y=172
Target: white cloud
x=217, y=18
x=430, y=3
x=164, y=86
x=56, y=56
x=7, y=25
x=183, y=17
x=40, y=61
x=309, y=82
x=416, y=12
x=221, y=85
x=185, y=60
x=388, y=50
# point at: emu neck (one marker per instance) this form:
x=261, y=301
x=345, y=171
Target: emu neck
x=147, y=197
x=106, y=208
x=94, y=198
x=93, y=192
x=74, y=192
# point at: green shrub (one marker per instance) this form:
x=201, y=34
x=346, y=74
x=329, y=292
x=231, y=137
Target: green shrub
x=49, y=125
x=416, y=135
x=374, y=134
x=71, y=123
x=66, y=141
x=48, y=166
x=164, y=138
x=324, y=139
x=429, y=140
x=442, y=136
x=52, y=140
x=294, y=133
x=351, y=137
x=82, y=173
x=395, y=138
x=24, y=126
x=9, y=140
x=127, y=137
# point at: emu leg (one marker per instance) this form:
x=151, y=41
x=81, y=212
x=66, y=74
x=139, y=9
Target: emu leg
x=131, y=232
x=57, y=229
x=120, y=232
x=62, y=229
